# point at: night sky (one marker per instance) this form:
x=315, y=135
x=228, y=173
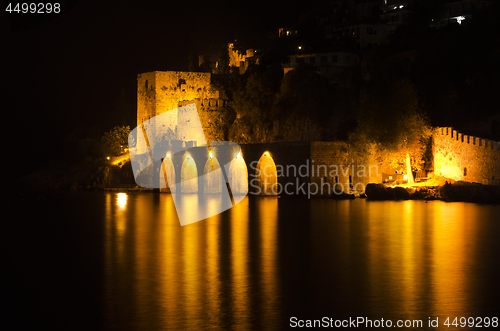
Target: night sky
x=60, y=72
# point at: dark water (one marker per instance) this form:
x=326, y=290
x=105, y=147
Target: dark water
x=119, y=261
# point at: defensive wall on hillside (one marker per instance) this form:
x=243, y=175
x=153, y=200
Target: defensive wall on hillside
x=464, y=157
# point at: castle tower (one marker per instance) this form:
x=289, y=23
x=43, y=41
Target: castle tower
x=160, y=92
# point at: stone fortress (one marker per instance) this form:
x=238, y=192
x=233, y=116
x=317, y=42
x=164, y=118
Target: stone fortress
x=159, y=92
x=239, y=59
x=455, y=155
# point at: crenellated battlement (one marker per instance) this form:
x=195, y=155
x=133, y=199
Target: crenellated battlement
x=468, y=139
x=465, y=157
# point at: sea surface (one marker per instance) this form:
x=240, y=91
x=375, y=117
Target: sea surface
x=121, y=261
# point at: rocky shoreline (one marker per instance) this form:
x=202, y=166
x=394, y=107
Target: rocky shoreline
x=457, y=192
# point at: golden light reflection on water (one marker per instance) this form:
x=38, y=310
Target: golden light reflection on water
x=400, y=260
x=213, y=269
x=121, y=200
x=193, y=258
x=396, y=254
x=452, y=257
x=239, y=259
x=268, y=222
x=142, y=256
x=116, y=222
x=168, y=260
x=406, y=256
x=411, y=249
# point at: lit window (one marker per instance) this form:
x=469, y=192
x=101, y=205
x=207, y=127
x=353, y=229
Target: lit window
x=460, y=19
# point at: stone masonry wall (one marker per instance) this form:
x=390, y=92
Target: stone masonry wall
x=287, y=154
x=212, y=117
x=464, y=157
x=334, y=163
x=164, y=91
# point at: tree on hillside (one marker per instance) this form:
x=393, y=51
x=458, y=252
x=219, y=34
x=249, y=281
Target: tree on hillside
x=253, y=98
x=223, y=62
x=304, y=104
x=115, y=141
x=391, y=121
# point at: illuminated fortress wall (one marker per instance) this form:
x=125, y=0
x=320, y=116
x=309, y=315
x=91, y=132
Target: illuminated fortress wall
x=211, y=118
x=343, y=162
x=162, y=91
x=456, y=156
x=464, y=157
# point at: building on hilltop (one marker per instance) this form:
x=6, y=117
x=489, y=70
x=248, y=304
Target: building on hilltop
x=240, y=59
x=462, y=10
x=362, y=35
x=327, y=63
x=395, y=12
x=286, y=32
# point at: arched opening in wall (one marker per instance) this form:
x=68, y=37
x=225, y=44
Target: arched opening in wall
x=167, y=175
x=238, y=176
x=465, y=172
x=212, y=179
x=189, y=176
x=267, y=175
